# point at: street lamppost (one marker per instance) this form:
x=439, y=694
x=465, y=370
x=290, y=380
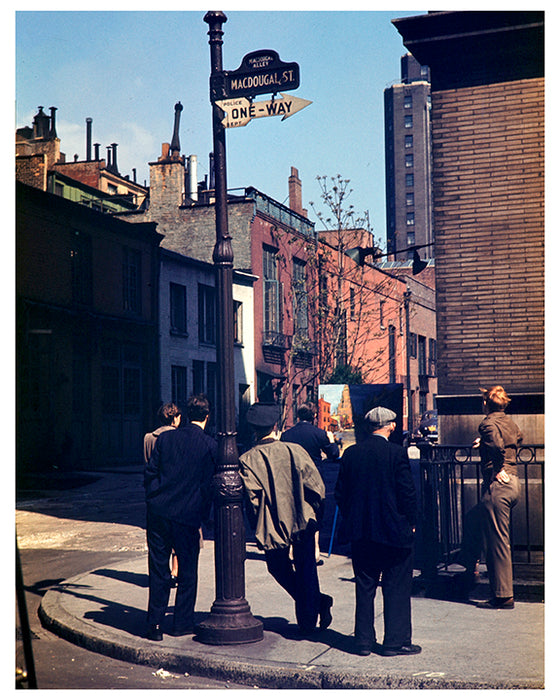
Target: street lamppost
x=230, y=620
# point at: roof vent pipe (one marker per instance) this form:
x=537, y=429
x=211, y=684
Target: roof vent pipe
x=193, y=177
x=88, y=138
x=115, y=168
x=52, y=132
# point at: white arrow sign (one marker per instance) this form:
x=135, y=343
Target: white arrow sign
x=240, y=110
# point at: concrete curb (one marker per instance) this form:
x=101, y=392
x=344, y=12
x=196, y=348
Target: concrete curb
x=210, y=663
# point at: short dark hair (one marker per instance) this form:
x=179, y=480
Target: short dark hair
x=167, y=412
x=198, y=407
x=306, y=412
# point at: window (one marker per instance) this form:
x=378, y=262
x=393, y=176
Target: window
x=392, y=355
x=198, y=377
x=410, y=199
x=237, y=322
x=410, y=218
x=352, y=303
x=408, y=121
x=272, y=322
x=422, y=366
x=409, y=160
x=80, y=260
x=178, y=308
x=131, y=280
x=410, y=239
x=381, y=318
x=432, y=357
x=408, y=141
x=299, y=297
x=206, y=314
x=407, y=101
x=178, y=384
x=409, y=179
x=412, y=344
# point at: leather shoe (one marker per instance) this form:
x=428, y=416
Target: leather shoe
x=154, y=633
x=497, y=604
x=406, y=649
x=363, y=651
x=181, y=632
x=325, y=615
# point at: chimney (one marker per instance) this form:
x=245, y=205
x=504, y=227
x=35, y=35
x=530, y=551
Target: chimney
x=192, y=173
x=175, y=145
x=88, y=138
x=114, y=164
x=96, y=150
x=40, y=125
x=294, y=191
x=108, y=158
x=52, y=133
x=133, y=174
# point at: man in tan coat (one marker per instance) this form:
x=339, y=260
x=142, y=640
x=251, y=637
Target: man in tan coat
x=286, y=494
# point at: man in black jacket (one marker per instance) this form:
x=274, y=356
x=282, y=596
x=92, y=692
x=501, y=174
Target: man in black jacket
x=177, y=481
x=377, y=500
x=312, y=438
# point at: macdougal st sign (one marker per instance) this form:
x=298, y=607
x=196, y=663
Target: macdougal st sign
x=260, y=72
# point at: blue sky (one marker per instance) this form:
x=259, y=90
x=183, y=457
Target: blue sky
x=127, y=69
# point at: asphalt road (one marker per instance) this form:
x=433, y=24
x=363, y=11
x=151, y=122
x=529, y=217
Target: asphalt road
x=65, y=531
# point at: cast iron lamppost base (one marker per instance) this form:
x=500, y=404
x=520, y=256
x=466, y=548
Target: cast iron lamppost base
x=230, y=620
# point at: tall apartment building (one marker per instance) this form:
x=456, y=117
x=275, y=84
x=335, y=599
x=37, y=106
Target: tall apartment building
x=408, y=160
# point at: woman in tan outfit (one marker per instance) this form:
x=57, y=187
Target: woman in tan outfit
x=498, y=441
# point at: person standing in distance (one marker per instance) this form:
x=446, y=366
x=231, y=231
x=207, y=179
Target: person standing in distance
x=177, y=481
x=377, y=500
x=312, y=438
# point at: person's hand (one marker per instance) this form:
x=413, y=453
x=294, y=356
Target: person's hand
x=330, y=435
x=476, y=443
x=503, y=477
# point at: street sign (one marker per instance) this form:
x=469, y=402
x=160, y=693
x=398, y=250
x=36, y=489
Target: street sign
x=260, y=72
x=239, y=111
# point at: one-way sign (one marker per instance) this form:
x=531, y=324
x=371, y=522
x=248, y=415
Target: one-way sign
x=239, y=110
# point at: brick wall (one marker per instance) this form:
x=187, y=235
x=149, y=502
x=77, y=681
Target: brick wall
x=488, y=149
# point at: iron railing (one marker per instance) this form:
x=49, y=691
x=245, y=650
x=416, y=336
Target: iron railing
x=450, y=486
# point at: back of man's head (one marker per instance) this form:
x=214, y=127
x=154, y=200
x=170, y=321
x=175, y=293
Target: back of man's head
x=167, y=412
x=198, y=408
x=306, y=412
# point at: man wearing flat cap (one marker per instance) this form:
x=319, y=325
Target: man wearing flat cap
x=285, y=495
x=377, y=500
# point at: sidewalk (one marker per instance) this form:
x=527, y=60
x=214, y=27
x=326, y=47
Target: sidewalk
x=462, y=646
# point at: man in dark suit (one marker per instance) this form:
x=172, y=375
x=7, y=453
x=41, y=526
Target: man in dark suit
x=177, y=481
x=314, y=440
x=377, y=499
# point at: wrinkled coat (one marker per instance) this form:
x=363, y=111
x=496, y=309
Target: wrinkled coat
x=284, y=489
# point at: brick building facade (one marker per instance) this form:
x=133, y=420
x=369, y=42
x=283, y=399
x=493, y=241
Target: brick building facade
x=487, y=72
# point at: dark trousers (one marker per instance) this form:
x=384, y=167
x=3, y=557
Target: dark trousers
x=164, y=535
x=299, y=578
x=392, y=566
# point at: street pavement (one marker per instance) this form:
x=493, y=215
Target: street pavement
x=463, y=647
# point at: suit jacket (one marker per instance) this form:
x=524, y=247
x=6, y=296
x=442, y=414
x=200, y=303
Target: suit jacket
x=312, y=439
x=375, y=493
x=177, y=479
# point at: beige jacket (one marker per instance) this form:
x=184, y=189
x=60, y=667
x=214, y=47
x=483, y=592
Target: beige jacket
x=285, y=491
